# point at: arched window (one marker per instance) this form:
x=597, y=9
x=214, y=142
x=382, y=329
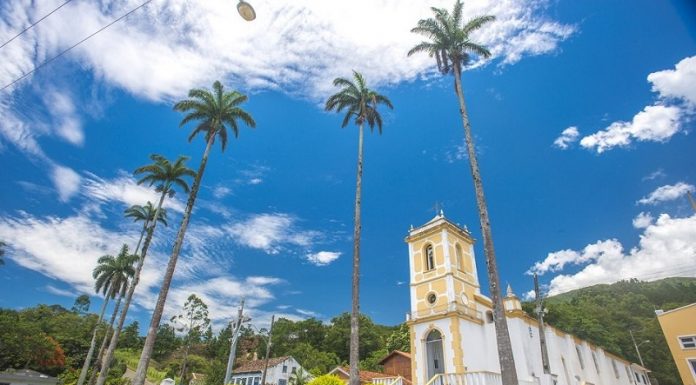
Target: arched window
x=429, y=257
x=434, y=353
x=460, y=258
x=489, y=316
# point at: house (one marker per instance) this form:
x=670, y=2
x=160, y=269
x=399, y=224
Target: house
x=279, y=371
x=366, y=376
x=396, y=364
x=679, y=329
x=453, y=336
x=25, y=377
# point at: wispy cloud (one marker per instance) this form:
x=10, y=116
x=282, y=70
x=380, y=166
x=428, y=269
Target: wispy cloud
x=270, y=232
x=568, y=136
x=323, y=258
x=667, y=193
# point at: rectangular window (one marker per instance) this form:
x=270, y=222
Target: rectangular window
x=645, y=380
x=257, y=380
x=243, y=381
x=692, y=365
x=688, y=342
x=285, y=368
x=594, y=359
x=628, y=374
x=294, y=369
x=282, y=382
x=637, y=378
x=582, y=363
x=616, y=369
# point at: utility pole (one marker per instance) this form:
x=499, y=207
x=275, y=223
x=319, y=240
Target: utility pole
x=691, y=199
x=636, y=346
x=236, y=327
x=539, y=309
x=268, y=352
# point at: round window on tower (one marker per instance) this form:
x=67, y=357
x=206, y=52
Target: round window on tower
x=432, y=297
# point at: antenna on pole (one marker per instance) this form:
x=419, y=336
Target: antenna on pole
x=236, y=326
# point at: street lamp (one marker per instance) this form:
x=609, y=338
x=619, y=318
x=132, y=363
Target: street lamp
x=246, y=11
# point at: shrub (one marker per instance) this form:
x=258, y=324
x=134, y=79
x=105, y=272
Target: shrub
x=327, y=379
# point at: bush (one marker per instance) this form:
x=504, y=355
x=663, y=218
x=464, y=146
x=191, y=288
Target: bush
x=327, y=379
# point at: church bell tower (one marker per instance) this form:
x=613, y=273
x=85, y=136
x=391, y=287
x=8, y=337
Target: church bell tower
x=445, y=298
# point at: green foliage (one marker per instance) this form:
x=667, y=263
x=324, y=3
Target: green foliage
x=166, y=342
x=314, y=360
x=130, y=337
x=215, y=375
x=327, y=379
x=165, y=175
x=371, y=362
x=604, y=314
x=358, y=101
x=300, y=377
x=400, y=339
x=338, y=336
x=81, y=304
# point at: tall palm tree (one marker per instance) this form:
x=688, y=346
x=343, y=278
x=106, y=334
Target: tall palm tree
x=214, y=112
x=360, y=104
x=145, y=214
x=449, y=41
x=165, y=176
x=111, y=277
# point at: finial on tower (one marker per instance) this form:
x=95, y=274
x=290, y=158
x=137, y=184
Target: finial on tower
x=410, y=228
x=509, y=290
x=442, y=212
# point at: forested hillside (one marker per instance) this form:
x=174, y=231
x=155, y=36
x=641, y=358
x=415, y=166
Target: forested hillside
x=604, y=314
x=54, y=340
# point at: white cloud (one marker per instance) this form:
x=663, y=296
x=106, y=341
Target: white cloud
x=172, y=45
x=65, y=119
x=66, y=181
x=61, y=292
x=568, y=136
x=667, y=193
x=529, y=296
x=323, y=258
x=660, y=173
x=255, y=181
x=643, y=220
x=667, y=248
x=268, y=232
x=124, y=189
x=220, y=192
x=679, y=83
x=656, y=123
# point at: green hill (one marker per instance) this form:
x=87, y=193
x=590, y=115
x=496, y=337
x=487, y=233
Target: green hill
x=604, y=314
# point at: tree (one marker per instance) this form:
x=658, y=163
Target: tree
x=81, y=305
x=165, y=175
x=166, y=342
x=449, y=41
x=215, y=112
x=111, y=277
x=327, y=379
x=361, y=104
x=130, y=338
x=300, y=377
x=145, y=214
x=400, y=339
x=193, y=321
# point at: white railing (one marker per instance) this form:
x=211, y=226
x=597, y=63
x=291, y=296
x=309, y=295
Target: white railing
x=472, y=378
x=398, y=380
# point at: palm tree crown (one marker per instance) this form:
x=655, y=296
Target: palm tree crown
x=112, y=273
x=359, y=101
x=449, y=40
x=166, y=174
x=146, y=213
x=215, y=112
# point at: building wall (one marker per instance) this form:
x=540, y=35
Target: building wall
x=274, y=376
x=680, y=323
x=468, y=338
x=398, y=365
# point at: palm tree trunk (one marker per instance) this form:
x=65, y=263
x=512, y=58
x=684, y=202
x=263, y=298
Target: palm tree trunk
x=107, y=334
x=142, y=233
x=93, y=342
x=355, y=311
x=505, y=355
x=106, y=362
x=149, y=345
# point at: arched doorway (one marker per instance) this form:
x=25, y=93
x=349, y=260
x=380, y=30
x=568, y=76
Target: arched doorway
x=433, y=353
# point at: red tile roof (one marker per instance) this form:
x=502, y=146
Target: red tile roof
x=257, y=365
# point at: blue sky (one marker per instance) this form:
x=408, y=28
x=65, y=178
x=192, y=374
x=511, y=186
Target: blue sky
x=583, y=122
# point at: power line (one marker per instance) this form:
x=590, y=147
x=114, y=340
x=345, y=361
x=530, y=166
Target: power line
x=75, y=45
x=35, y=23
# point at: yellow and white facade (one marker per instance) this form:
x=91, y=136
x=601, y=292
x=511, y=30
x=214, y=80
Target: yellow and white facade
x=452, y=331
x=679, y=328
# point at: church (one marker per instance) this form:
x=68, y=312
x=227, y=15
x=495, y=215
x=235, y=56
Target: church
x=452, y=332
